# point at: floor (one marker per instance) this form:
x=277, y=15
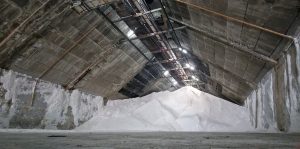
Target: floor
x=172, y=140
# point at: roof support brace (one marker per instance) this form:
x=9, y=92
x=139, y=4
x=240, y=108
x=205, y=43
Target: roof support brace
x=136, y=15
x=226, y=42
x=240, y=79
x=166, y=61
x=157, y=33
x=236, y=20
x=115, y=27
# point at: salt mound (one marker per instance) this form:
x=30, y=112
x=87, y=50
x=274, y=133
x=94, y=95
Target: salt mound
x=186, y=109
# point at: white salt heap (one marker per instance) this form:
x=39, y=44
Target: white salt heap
x=186, y=109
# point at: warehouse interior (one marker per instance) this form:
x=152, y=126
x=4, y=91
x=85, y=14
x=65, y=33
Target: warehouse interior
x=245, y=52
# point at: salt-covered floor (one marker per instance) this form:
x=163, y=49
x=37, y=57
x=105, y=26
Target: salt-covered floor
x=71, y=140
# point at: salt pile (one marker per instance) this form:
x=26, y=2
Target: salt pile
x=186, y=109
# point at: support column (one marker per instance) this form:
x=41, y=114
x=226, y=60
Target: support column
x=280, y=96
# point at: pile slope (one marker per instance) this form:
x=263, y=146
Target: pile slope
x=186, y=109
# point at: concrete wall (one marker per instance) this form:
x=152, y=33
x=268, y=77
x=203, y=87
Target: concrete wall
x=275, y=105
x=51, y=108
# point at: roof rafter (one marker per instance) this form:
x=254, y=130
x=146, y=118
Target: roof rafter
x=236, y=20
x=228, y=43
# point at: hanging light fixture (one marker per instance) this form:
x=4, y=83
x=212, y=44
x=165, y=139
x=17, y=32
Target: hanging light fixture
x=192, y=68
x=175, y=82
x=195, y=78
x=187, y=65
x=166, y=73
x=130, y=33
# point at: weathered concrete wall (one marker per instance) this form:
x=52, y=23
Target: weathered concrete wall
x=276, y=102
x=51, y=108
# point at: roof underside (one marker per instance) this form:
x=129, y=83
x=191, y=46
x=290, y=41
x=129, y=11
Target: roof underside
x=89, y=48
x=237, y=71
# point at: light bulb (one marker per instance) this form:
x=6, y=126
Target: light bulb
x=166, y=73
x=193, y=77
x=130, y=33
x=175, y=82
x=187, y=65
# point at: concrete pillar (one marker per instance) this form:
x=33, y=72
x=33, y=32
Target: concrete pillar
x=280, y=96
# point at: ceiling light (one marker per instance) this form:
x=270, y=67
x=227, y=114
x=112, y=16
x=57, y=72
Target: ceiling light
x=130, y=33
x=166, y=73
x=175, y=82
x=76, y=3
x=180, y=49
x=195, y=78
x=184, y=51
x=192, y=68
x=188, y=65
